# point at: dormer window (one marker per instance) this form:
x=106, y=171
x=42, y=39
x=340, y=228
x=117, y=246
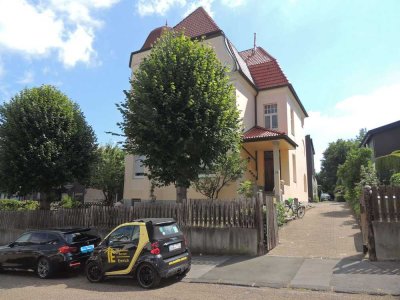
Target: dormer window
x=271, y=116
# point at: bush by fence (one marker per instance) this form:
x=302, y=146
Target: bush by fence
x=7, y=204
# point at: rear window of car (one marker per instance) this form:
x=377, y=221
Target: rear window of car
x=77, y=237
x=161, y=231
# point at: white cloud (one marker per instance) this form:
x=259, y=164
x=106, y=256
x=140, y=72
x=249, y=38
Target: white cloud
x=158, y=7
x=161, y=7
x=195, y=4
x=233, y=3
x=27, y=78
x=51, y=25
x=371, y=110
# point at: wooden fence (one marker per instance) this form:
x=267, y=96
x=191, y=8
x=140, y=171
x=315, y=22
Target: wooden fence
x=378, y=204
x=190, y=213
x=258, y=214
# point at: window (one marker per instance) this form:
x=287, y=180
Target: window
x=38, y=238
x=122, y=234
x=23, y=238
x=271, y=116
x=138, y=168
x=292, y=121
x=294, y=168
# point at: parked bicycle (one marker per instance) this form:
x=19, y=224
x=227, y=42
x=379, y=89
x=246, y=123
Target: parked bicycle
x=298, y=209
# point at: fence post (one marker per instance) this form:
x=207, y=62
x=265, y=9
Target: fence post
x=260, y=225
x=368, y=197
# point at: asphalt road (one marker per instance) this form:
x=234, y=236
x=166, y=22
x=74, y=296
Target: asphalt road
x=25, y=285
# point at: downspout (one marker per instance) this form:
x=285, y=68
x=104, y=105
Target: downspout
x=255, y=108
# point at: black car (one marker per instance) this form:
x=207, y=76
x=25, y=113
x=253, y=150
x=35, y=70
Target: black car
x=47, y=251
x=148, y=249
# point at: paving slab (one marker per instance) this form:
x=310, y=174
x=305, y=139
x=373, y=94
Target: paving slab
x=366, y=284
x=314, y=274
x=255, y=271
x=203, y=264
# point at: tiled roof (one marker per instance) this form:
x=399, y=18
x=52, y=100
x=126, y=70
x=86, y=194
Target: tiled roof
x=242, y=64
x=258, y=132
x=264, y=68
x=198, y=23
x=154, y=35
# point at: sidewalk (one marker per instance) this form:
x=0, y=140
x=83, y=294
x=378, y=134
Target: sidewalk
x=338, y=275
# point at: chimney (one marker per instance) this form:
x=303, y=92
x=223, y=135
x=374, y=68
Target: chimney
x=255, y=45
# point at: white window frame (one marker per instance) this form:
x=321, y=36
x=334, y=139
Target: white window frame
x=271, y=110
x=137, y=159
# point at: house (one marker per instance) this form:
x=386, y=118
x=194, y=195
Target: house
x=383, y=140
x=272, y=113
x=311, y=175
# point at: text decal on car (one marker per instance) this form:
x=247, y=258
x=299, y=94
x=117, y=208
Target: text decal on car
x=117, y=256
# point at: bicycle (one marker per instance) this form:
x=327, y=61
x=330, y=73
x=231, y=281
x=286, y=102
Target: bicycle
x=298, y=209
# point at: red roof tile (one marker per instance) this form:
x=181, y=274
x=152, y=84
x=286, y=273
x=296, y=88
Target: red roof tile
x=258, y=132
x=264, y=68
x=198, y=23
x=154, y=35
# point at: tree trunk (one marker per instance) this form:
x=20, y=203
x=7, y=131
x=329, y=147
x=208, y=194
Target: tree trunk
x=181, y=193
x=45, y=201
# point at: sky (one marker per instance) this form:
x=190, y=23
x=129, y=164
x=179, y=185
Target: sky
x=342, y=57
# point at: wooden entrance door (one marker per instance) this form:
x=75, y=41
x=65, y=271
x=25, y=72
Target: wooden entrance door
x=269, y=171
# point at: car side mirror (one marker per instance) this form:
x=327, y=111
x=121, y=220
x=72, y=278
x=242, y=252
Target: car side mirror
x=11, y=244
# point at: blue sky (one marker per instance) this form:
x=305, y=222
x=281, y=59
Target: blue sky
x=342, y=57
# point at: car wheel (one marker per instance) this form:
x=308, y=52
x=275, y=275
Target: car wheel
x=301, y=211
x=147, y=276
x=94, y=272
x=44, y=269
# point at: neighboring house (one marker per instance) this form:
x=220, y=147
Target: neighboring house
x=311, y=176
x=273, y=117
x=383, y=140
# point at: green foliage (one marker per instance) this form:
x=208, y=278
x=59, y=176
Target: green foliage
x=281, y=213
x=349, y=172
x=108, y=172
x=69, y=202
x=395, y=179
x=44, y=142
x=387, y=165
x=181, y=113
x=6, y=204
x=227, y=169
x=246, y=189
x=333, y=157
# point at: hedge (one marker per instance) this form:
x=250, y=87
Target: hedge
x=6, y=204
x=387, y=165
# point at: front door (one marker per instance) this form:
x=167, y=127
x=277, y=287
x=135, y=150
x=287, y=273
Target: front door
x=121, y=247
x=269, y=171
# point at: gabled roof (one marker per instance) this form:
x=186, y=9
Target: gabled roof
x=374, y=131
x=154, y=35
x=264, y=68
x=198, y=23
x=258, y=133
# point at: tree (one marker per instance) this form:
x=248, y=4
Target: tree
x=181, y=113
x=108, y=172
x=333, y=157
x=228, y=168
x=45, y=142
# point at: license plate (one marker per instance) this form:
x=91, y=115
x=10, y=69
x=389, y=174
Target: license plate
x=175, y=247
x=87, y=249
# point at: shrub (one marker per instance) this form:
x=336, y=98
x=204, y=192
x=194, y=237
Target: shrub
x=387, y=165
x=280, y=208
x=69, y=202
x=7, y=204
x=395, y=179
x=246, y=189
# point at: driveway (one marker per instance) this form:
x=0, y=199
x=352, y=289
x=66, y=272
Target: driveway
x=328, y=230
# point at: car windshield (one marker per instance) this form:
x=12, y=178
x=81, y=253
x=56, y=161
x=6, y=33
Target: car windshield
x=161, y=231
